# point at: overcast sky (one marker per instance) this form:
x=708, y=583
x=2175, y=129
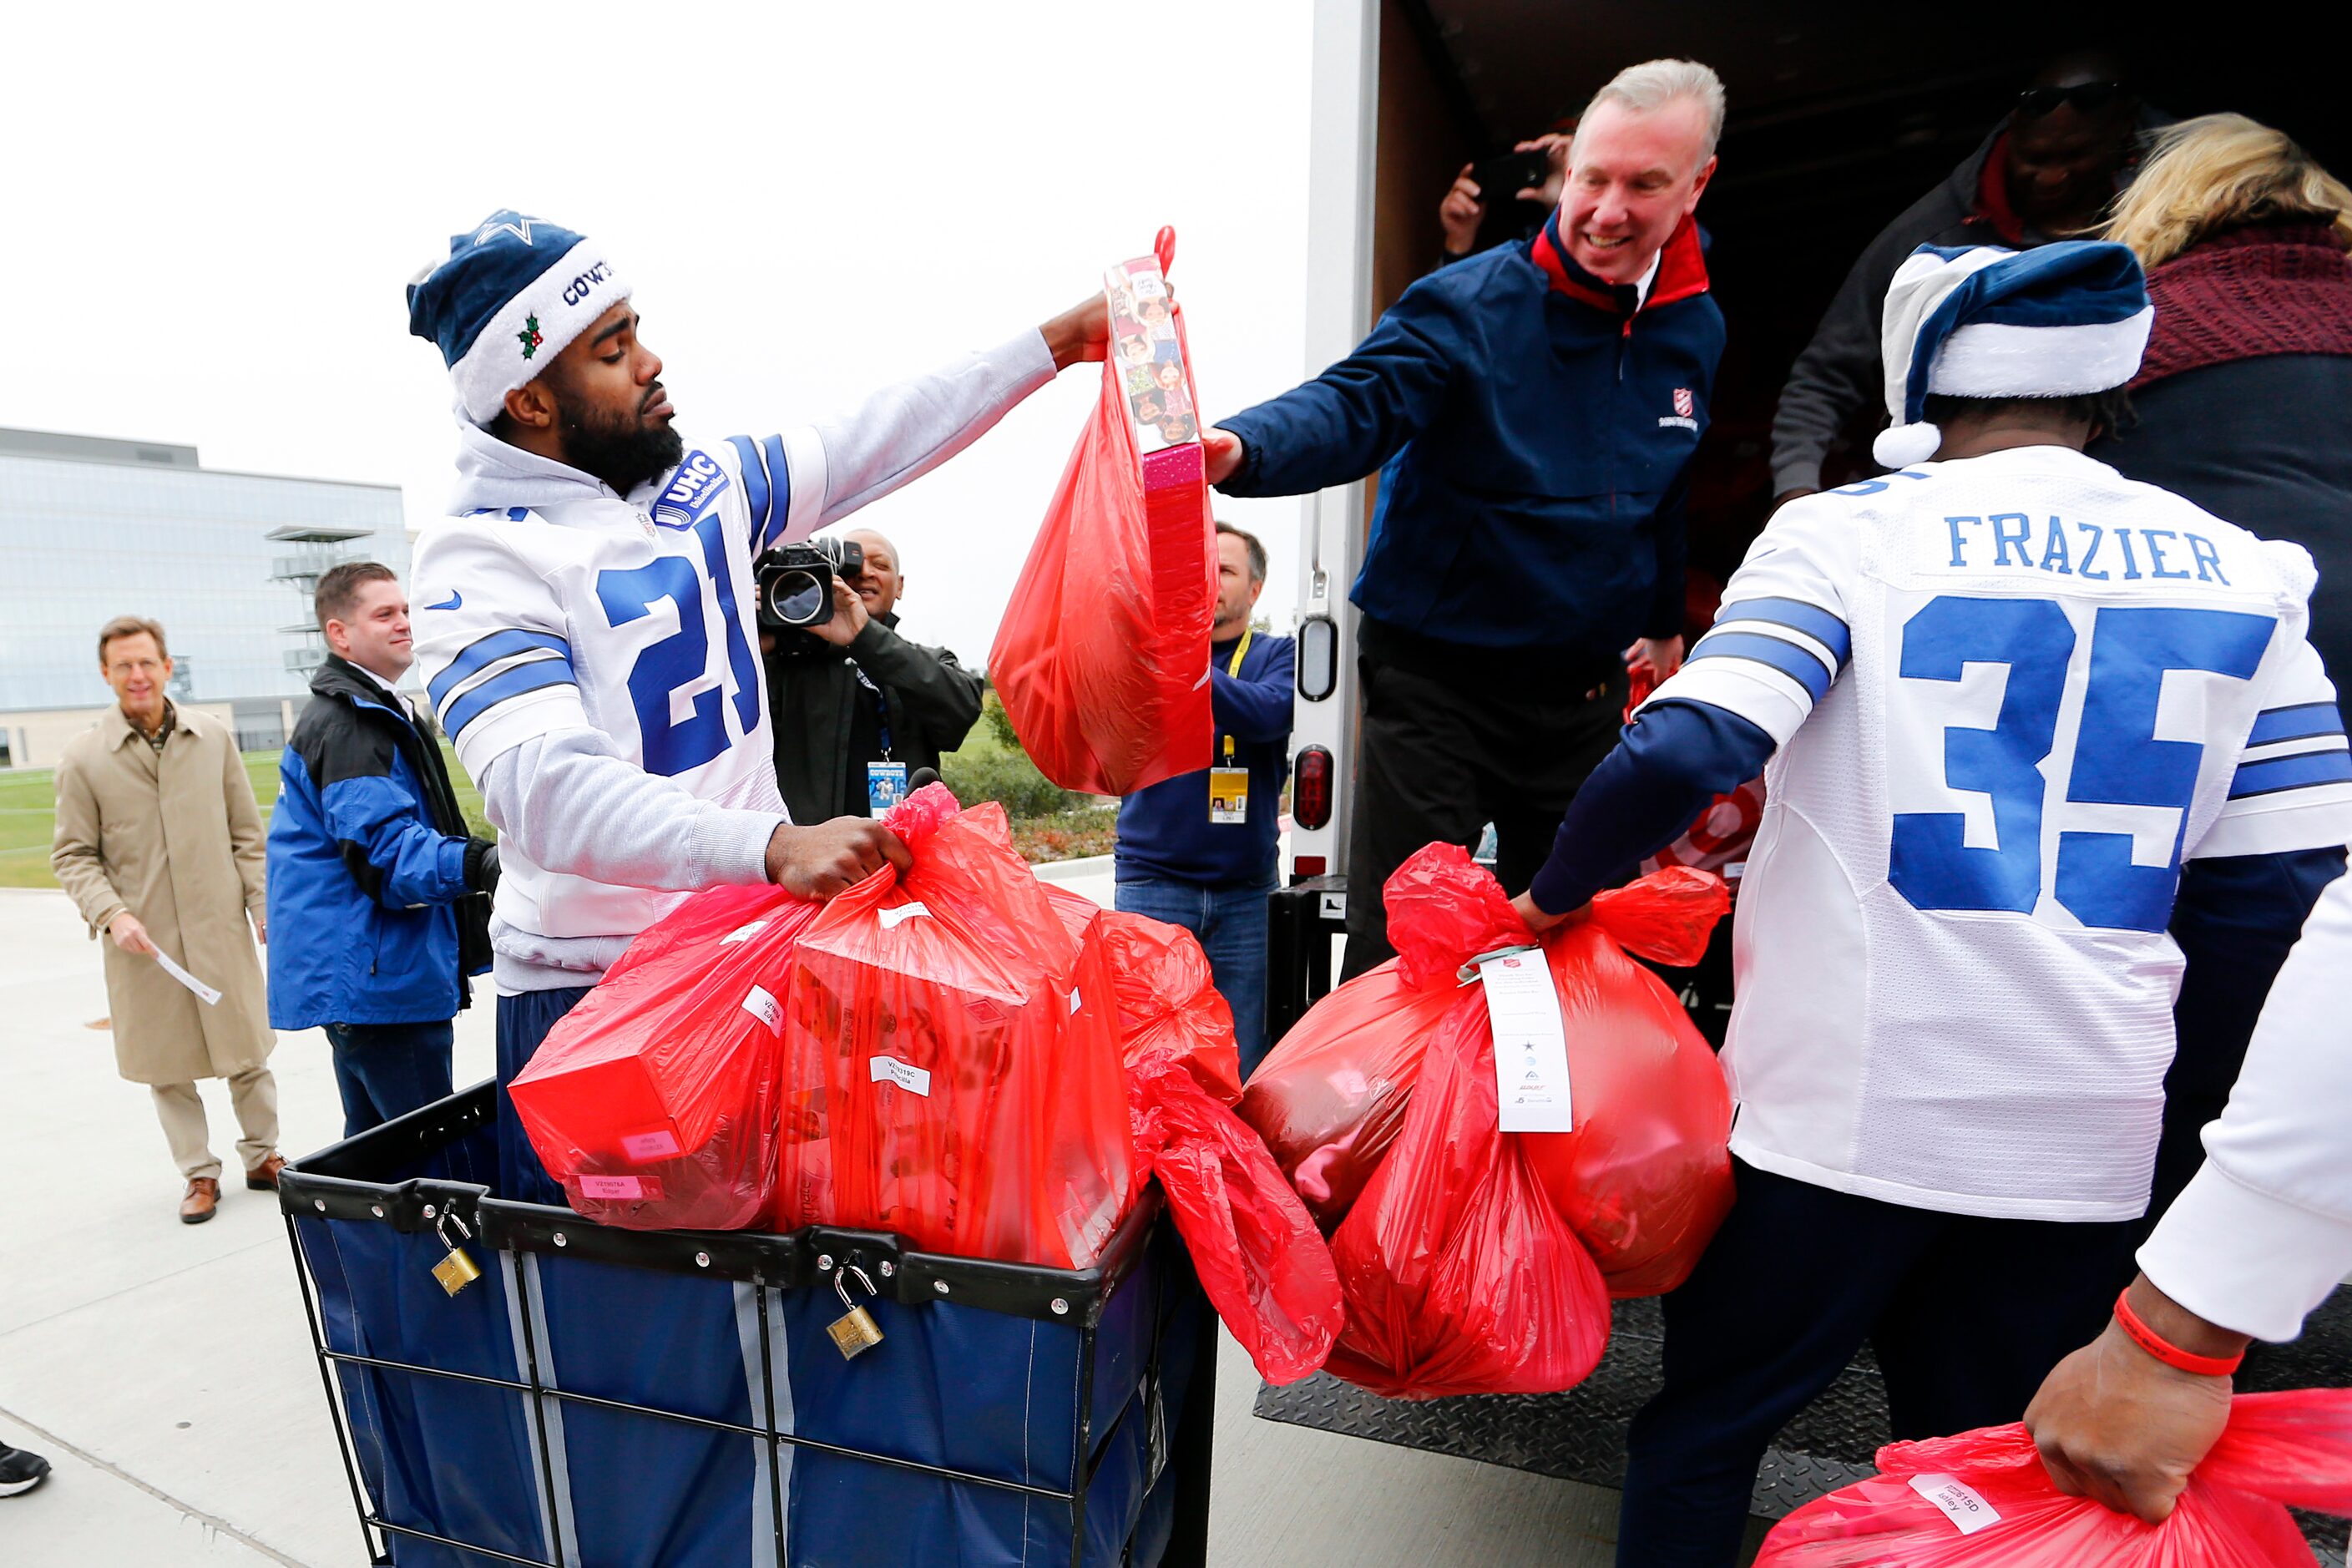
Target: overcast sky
x=211, y=213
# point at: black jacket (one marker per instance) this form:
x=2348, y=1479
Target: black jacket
x=1838, y=378
x=2266, y=444
x=932, y=701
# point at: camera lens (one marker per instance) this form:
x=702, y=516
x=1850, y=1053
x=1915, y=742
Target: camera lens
x=797, y=597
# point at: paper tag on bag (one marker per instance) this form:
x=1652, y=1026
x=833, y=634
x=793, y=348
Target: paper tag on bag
x=743, y=932
x=1961, y=1502
x=906, y=1075
x=624, y=1188
x=659, y=1144
x=204, y=993
x=892, y=917
x=765, y=1008
x=1531, y=1042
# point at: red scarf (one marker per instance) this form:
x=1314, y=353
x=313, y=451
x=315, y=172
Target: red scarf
x=2268, y=289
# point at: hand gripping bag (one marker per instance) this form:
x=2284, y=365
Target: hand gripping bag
x=1982, y=1499
x=952, y=1067
x=654, y=1100
x=1102, y=657
x=1260, y=1259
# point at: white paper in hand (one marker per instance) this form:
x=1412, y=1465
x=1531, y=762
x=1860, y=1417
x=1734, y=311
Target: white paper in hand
x=1531, y=1042
x=204, y=993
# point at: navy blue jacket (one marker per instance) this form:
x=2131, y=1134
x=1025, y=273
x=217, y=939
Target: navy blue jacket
x=1537, y=430
x=373, y=912
x=1164, y=830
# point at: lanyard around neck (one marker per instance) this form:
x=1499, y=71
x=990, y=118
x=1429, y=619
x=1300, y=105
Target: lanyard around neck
x=1234, y=668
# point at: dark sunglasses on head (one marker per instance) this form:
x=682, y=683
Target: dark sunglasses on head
x=2086, y=96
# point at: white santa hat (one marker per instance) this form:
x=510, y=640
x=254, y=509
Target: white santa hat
x=2061, y=321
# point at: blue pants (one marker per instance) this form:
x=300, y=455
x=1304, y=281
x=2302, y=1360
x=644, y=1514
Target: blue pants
x=386, y=1070
x=1230, y=922
x=523, y=1022
x=1967, y=1316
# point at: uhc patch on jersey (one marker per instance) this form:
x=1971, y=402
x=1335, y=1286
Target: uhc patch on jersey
x=698, y=482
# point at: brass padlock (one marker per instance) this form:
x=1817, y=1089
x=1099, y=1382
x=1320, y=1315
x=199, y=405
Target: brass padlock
x=855, y=1331
x=456, y=1271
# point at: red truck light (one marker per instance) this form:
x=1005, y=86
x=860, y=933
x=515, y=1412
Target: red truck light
x=1310, y=788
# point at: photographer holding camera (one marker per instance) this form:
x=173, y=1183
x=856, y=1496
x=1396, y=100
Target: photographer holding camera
x=856, y=708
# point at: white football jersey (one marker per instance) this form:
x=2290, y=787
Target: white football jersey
x=2012, y=694
x=635, y=617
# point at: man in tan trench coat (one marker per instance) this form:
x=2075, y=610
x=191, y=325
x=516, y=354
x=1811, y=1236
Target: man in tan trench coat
x=160, y=842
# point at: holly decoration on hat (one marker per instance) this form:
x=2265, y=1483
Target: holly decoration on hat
x=530, y=336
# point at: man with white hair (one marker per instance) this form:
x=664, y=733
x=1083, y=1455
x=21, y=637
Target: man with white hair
x=1532, y=412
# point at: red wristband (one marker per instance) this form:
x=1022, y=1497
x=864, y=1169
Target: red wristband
x=2165, y=1350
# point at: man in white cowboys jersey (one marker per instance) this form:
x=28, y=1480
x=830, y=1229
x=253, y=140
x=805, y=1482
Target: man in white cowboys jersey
x=2029, y=722
x=585, y=623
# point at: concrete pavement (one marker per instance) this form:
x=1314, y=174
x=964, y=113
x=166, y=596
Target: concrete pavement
x=165, y=1371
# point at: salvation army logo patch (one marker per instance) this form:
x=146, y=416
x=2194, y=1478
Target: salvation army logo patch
x=1684, y=402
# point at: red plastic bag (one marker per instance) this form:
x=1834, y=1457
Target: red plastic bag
x=1331, y=1098
x=1645, y=1177
x=1102, y=657
x=953, y=1064
x=1459, y=1275
x=654, y=1100
x=2280, y=1450
x=1259, y=1256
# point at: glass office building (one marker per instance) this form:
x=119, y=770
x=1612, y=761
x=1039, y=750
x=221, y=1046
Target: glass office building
x=91, y=529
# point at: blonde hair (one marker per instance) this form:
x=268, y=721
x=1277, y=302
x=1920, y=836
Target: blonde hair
x=2218, y=171
x=1655, y=83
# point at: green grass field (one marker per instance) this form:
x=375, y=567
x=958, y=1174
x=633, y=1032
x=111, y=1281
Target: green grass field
x=1048, y=824
x=28, y=803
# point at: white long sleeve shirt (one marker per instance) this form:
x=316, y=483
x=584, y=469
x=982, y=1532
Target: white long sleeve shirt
x=595, y=658
x=2264, y=1231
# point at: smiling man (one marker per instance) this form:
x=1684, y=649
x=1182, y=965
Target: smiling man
x=586, y=625
x=1532, y=412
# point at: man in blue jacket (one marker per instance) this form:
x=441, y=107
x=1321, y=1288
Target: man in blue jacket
x=376, y=884
x=1532, y=412
x=1198, y=851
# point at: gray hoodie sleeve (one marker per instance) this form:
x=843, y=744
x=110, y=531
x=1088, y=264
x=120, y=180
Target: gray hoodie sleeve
x=1837, y=381
x=649, y=832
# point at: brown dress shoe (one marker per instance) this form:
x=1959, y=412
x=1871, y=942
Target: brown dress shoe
x=203, y=1200
x=263, y=1178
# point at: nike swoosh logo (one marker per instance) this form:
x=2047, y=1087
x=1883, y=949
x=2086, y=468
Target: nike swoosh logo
x=455, y=599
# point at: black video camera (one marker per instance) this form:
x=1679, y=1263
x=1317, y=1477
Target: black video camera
x=796, y=581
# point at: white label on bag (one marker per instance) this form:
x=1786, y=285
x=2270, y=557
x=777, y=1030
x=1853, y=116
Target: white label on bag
x=1076, y=1002
x=891, y=917
x=612, y=1187
x=656, y=1146
x=906, y=1075
x=1530, y=1042
x=764, y=1008
x=1961, y=1502
x=744, y=932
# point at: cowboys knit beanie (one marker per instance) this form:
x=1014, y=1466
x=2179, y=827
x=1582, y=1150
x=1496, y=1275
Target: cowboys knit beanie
x=1978, y=321
x=514, y=291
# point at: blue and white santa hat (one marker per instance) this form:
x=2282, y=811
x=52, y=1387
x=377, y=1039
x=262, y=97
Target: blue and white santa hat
x=1979, y=322
x=514, y=291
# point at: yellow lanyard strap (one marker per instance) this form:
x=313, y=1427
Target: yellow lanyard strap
x=1234, y=668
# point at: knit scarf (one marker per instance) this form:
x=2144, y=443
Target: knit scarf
x=2248, y=292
